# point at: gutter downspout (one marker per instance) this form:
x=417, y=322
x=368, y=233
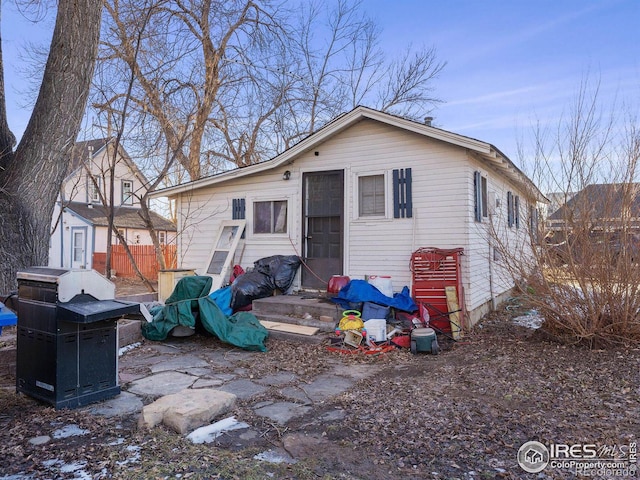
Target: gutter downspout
x=61, y=226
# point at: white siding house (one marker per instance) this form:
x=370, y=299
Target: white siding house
x=79, y=222
x=335, y=200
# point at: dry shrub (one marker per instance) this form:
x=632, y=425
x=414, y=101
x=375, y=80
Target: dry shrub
x=582, y=266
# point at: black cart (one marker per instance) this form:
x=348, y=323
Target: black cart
x=67, y=338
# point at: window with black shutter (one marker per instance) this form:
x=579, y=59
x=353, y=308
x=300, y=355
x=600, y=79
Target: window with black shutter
x=480, y=196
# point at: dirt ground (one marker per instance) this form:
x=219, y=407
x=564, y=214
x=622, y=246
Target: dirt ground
x=462, y=414
x=131, y=286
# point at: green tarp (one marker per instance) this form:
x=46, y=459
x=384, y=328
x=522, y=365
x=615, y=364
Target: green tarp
x=191, y=297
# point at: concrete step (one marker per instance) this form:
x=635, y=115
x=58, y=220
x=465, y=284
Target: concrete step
x=297, y=306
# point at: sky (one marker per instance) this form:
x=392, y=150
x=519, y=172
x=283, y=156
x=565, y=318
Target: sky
x=510, y=63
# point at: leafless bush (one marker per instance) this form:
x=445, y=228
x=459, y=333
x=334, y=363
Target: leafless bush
x=581, y=268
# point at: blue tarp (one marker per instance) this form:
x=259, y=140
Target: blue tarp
x=7, y=317
x=222, y=297
x=361, y=291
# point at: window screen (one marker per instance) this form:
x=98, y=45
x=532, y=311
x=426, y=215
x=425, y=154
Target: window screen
x=270, y=217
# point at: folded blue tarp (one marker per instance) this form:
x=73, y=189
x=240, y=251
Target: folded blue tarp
x=222, y=297
x=361, y=291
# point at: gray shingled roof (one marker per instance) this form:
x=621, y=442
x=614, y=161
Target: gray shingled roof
x=80, y=151
x=600, y=201
x=125, y=217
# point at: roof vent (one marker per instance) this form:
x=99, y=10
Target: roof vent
x=428, y=120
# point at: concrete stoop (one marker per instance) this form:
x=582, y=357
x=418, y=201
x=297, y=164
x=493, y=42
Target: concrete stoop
x=304, y=310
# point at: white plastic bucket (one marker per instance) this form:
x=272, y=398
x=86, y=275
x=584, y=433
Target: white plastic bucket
x=376, y=329
x=382, y=283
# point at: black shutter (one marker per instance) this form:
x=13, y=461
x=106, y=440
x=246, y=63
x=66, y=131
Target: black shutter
x=477, y=190
x=533, y=222
x=402, y=202
x=238, y=209
x=516, y=210
x=510, y=209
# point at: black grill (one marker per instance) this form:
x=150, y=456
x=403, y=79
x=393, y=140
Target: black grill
x=67, y=351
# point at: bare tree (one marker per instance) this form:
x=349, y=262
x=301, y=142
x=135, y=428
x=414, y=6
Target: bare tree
x=583, y=276
x=246, y=79
x=183, y=63
x=31, y=176
x=336, y=64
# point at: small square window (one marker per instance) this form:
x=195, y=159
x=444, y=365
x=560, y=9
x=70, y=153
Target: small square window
x=371, y=200
x=270, y=217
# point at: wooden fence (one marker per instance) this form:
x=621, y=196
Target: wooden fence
x=144, y=255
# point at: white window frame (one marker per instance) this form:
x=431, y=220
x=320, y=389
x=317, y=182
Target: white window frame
x=129, y=199
x=224, y=246
x=287, y=225
x=387, y=195
x=513, y=210
x=93, y=193
x=480, y=196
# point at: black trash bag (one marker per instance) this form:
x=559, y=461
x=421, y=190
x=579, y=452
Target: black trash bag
x=249, y=287
x=281, y=268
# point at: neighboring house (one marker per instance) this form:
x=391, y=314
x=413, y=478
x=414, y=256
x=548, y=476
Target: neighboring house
x=602, y=208
x=556, y=200
x=357, y=198
x=79, y=222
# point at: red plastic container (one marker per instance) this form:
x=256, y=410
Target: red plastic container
x=337, y=282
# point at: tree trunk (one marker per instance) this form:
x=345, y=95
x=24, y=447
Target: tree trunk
x=31, y=177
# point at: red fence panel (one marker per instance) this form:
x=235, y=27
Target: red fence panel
x=144, y=256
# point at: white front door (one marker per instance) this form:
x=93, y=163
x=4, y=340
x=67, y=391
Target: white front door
x=78, y=248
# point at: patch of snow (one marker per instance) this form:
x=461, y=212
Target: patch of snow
x=531, y=320
x=135, y=449
x=69, y=431
x=76, y=468
x=128, y=348
x=72, y=467
x=274, y=457
x=209, y=433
